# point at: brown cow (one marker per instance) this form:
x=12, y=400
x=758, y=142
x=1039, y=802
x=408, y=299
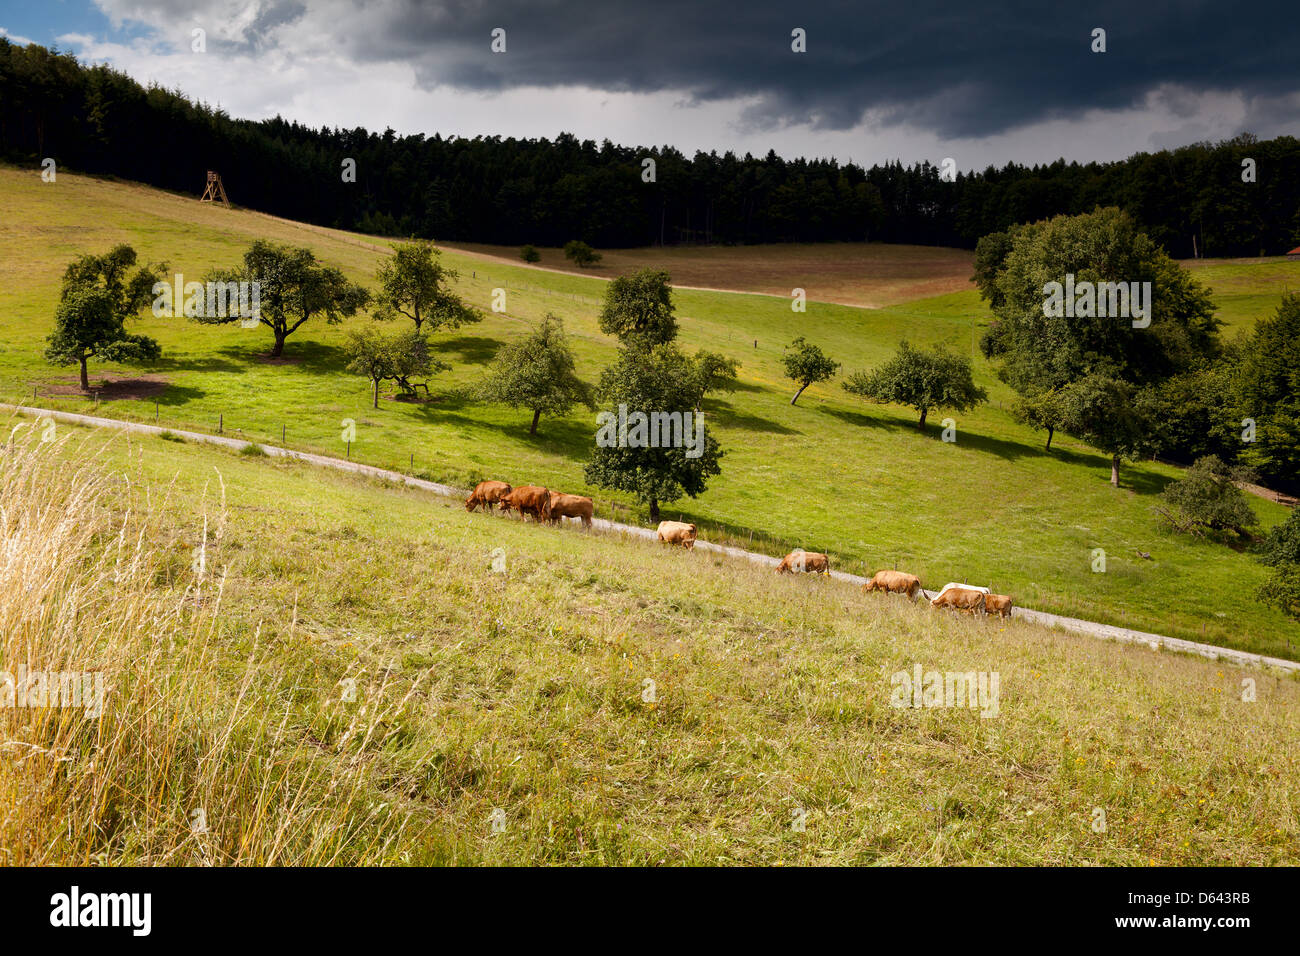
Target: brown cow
x=964, y=599
x=677, y=532
x=999, y=604
x=529, y=500
x=898, y=581
x=570, y=506
x=486, y=493
x=813, y=561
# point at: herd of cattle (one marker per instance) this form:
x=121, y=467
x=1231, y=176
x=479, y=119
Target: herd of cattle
x=551, y=506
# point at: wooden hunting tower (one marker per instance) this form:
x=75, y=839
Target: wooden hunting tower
x=216, y=192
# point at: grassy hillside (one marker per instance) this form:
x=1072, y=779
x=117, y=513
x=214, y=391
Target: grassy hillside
x=521, y=697
x=831, y=474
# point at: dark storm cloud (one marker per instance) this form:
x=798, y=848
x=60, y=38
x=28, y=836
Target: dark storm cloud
x=959, y=69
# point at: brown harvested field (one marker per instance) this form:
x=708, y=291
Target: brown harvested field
x=870, y=274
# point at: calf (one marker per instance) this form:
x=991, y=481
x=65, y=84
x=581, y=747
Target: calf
x=999, y=604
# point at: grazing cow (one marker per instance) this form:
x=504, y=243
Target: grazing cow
x=570, y=506
x=677, y=532
x=999, y=604
x=529, y=500
x=804, y=561
x=899, y=581
x=486, y=493
x=961, y=598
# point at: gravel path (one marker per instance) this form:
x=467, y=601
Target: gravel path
x=1074, y=625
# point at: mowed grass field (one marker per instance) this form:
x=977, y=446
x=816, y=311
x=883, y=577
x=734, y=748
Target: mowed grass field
x=831, y=474
x=343, y=678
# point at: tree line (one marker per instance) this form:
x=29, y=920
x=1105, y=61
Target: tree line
x=1195, y=200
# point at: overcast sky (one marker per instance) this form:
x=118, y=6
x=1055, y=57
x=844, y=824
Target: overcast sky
x=909, y=79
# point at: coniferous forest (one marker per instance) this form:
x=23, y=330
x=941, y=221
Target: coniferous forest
x=511, y=191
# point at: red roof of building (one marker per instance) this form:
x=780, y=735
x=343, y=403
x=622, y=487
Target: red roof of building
x=1294, y=252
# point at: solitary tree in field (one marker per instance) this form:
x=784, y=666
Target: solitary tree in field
x=100, y=292
x=293, y=289
x=935, y=380
x=581, y=254
x=805, y=364
x=413, y=283
x=529, y=253
x=537, y=373
x=656, y=380
x=396, y=357
x=638, y=309
x=86, y=326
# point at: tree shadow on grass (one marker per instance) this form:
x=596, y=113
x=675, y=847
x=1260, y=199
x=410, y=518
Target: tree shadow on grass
x=724, y=414
x=304, y=354
x=555, y=436
x=196, y=363
x=472, y=349
x=863, y=420
x=749, y=387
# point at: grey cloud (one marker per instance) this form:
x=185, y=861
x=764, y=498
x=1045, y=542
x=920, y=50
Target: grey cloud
x=958, y=70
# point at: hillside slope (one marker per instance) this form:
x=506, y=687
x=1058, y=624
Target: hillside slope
x=831, y=473
x=528, y=694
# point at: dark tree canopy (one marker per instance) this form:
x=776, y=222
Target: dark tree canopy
x=1269, y=381
x=1102, y=360
x=1281, y=552
x=581, y=254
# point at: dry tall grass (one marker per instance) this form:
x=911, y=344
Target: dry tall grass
x=183, y=763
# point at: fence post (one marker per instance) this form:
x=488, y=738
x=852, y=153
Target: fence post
x=221, y=423
x=155, y=411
